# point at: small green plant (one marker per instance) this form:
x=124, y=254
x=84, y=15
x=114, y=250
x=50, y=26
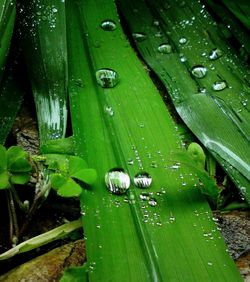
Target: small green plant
x=15, y=167
x=65, y=173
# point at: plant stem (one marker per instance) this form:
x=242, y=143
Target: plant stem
x=14, y=229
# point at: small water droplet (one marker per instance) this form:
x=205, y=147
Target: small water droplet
x=156, y=23
x=199, y=71
x=142, y=180
x=117, y=181
x=108, y=25
x=54, y=10
x=152, y=202
x=182, y=58
x=183, y=40
x=139, y=36
x=144, y=196
x=154, y=164
x=215, y=54
x=107, y=78
x=109, y=111
x=202, y=90
x=165, y=48
x=210, y=263
x=130, y=162
x=219, y=85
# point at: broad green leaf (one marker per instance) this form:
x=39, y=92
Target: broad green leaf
x=20, y=178
x=14, y=153
x=87, y=175
x=57, y=180
x=75, y=274
x=3, y=157
x=43, y=38
x=69, y=189
x=76, y=164
x=4, y=179
x=127, y=126
x=57, y=162
x=212, y=101
x=20, y=165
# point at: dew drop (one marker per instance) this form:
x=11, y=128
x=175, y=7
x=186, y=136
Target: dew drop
x=156, y=22
x=183, y=40
x=130, y=162
x=117, y=181
x=165, y=48
x=108, y=25
x=219, y=85
x=142, y=180
x=215, y=54
x=202, y=90
x=107, y=78
x=109, y=111
x=139, y=36
x=144, y=196
x=152, y=202
x=199, y=71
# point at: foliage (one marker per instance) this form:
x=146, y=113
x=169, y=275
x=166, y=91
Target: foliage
x=15, y=167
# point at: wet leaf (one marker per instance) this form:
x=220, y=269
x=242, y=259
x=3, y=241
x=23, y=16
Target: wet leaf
x=87, y=175
x=76, y=164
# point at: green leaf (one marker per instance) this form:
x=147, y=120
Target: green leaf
x=129, y=121
x=45, y=50
x=196, y=153
x=76, y=164
x=57, y=162
x=4, y=180
x=14, y=153
x=20, y=165
x=20, y=178
x=75, y=274
x=3, y=157
x=87, y=175
x=57, y=180
x=69, y=189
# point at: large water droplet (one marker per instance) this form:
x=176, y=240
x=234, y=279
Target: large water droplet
x=107, y=78
x=183, y=40
x=142, y=180
x=117, y=181
x=108, y=25
x=139, y=36
x=165, y=48
x=199, y=71
x=219, y=85
x=214, y=54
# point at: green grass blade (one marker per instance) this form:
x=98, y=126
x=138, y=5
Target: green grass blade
x=7, y=20
x=43, y=34
x=220, y=119
x=128, y=126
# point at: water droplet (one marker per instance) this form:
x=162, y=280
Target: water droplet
x=219, y=85
x=54, y=10
x=199, y=71
x=144, y=196
x=107, y=78
x=215, y=54
x=210, y=263
x=142, y=180
x=152, y=202
x=165, y=48
x=130, y=162
x=156, y=23
x=202, y=90
x=183, y=40
x=139, y=36
x=182, y=58
x=108, y=25
x=109, y=111
x=117, y=181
